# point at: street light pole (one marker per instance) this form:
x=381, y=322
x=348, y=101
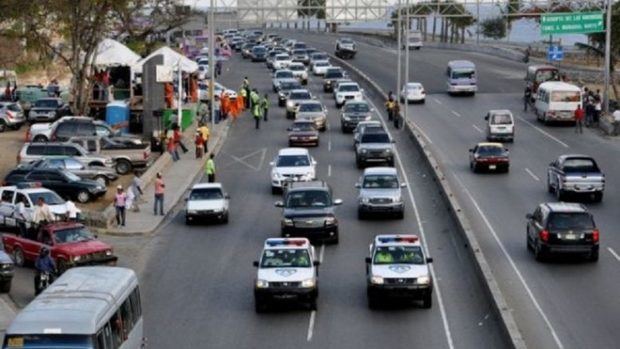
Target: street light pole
x=398, y=34
x=407, y=22
x=607, y=56
x=212, y=59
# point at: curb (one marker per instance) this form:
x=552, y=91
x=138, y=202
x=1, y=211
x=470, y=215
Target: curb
x=485, y=273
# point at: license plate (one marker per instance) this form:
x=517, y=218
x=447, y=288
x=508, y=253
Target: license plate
x=570, y=236
x=492, y=167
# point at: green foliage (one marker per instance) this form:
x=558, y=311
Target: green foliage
x=494, y=28
x=598, y=39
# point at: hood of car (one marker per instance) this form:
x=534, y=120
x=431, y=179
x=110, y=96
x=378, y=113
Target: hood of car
x=312, y=212
x=310, y=115
x=379, y=193
x=375, y=145
x=295, y=170
x=399, y=270
x=285, y=274
x=356, y=115
x=206, y=204
x=83, y=247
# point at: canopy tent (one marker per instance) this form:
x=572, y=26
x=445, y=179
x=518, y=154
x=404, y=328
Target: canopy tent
x=171, y=59
x=111, y=53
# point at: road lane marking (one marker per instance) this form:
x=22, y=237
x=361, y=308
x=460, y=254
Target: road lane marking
x=455, y=113
x=555, y=336
x=437, y=101
x=322, y=253
x=532, y=174
x=478, y=129
x=442, y=309
x=311, y=325
x=611, y=250
x=329, y=145
x=243, y=159
x=329, y=170
x=544, y=132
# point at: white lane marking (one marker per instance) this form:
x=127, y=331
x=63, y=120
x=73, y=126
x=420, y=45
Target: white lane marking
x=322, y=253
x=311, y=326
x=532, y=174
x=329, y=145
x=329, y=170
x=478, y=129
x=544, y=132
x=442, y=309
x=437, y=101
x=455, y=113
x=611, y=250
x=556, y=338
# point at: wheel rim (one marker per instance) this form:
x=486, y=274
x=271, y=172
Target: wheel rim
x=18, y=256
x=101, y=180
x=83, y=197
x=122, y=167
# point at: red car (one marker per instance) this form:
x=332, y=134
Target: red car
x=71, y=244
x=490, y=157
x=303, y=133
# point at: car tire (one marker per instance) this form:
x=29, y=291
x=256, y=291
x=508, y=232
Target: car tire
x=225, y=219
x=361, y=215
x=40, y=139
x=559, y=194
x=539, y=254
x=101, y=180
x=528, y=245
x=188, y=221
x=427, y=302
x=373, y=303
x=423, y=101
x=312, y=304
x=83, y=196
x=259, y=307
x=400, y=215
x=2, y=126
x=359, y=163
x=5, y=286
x=391, y=163
x=598, y=196
x=317, y=143
x=274, y=190
x=18, y=257
x=123, y=167
x=594, y=256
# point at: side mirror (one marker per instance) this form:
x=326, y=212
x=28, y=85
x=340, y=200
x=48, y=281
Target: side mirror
x=507, y=150
x=358, y=185
x=429, y=260
x=316, y=263
x=289, y=129
x=186, y=199
x=471, y=150
x=313, y=162
x=361, y=90
x=226, y=196
x=486, y=117
x=403, y=185
x=368, y=260
x=551, y=164
x=279, y=204
x=529, y=216
x=272, y=163
x=392, y=141
x=338, y=202
x=255, y=263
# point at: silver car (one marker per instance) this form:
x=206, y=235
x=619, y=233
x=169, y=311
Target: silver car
x=11, y=116
x=35, y=151
x=380, y=193
x=279, y=76
x=313, y=111
x=294, y=98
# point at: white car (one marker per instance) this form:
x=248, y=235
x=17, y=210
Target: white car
x=281, y=61
x=287, y=271
x=348, y=91
x=203, y=90
x=413, y=92
x=299, y=72
x=320, y=67
x=203, y=71
x=207, y=201
x=291, y=165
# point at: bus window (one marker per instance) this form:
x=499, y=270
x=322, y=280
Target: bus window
x=117, y=330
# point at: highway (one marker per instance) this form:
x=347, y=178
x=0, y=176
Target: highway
x=198, y=281
x=561, y=304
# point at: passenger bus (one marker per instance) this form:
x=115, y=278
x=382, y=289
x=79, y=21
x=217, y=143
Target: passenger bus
x=462, y=77
x=85, y=308
x=557, y=101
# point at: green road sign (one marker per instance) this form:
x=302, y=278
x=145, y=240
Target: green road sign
x=572, y=23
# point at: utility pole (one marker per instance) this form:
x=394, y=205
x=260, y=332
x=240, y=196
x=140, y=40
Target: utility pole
x=398, y=44
x=477, y=22
x=212, y=60
x=607, y=56
x=407, y=21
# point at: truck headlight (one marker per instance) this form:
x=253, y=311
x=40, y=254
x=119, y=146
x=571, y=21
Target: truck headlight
x=308, y=283
x=364, y=150
x=108, y=252
x=387, y=151
x=346, y=118
x=330, y=220
x=290, y=104
x=287, y=222
x=192, y=212
x=262, y=283
x=423, y=280
x=367, y=118
x=365, y=200
x=377, y=280
x=77, y=258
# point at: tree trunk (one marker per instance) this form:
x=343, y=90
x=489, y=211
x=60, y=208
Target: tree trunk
x=462, y=34
x=434, y=26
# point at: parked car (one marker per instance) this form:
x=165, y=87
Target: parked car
x=101, y=174
x=490, y=157
x=500, y=125
x=7, y=270
x=66, y=184
x=354, y=112
x=126, y=156
x=48, y=109
x=30, y=193
x=35, y=151
x=71, y=244
x=207, y=201
x=11, y=116
x=64, y=128
x=577, y=175
x=380, y=193
x=303, y=133
x=562, y=228
x=312, y=110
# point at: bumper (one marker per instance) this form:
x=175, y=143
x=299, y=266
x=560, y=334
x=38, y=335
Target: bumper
x=350, y=124
x=325, y=233
x=462, y=88
x=205, y=216
x=409, y=292
x=378, y=208
x=570, y=249
x=285, y=294
x=301, y=141
x=583, y=188
x=33, y=116
x=108, y=260
x=376, y=159
x=500, y=136
x=492, y=166
x=6, y=275
x=415, y=98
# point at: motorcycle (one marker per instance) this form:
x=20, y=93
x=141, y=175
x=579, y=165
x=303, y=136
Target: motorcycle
x=43, y=281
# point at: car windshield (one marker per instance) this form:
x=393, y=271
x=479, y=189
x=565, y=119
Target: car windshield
x=334, y=74
x=299, y=52
x=356, y=108
x=50, y=198
x=286, y=258
x=463, y=73
x=284, y=75
x=281, y=58
x=570, y=220
x=380, y=182
x=308, y=199
x=491, y=151
x=501, y=119
x=72, y=235
x=303, y=126
x=286, y=86
x=375, y=138
x=321, y=64
x=566, y=96
x=413, y=87
x=297, y=67
x=580, y=165
x=398, y=255
x=259, y=49
x=349, y=88
x=319, y=57
x=46, y=103
x=346, y=41
x=293, y=161
x=206, y=194
x=310, y=107
x=300, y=95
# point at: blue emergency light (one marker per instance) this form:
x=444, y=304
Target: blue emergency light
x=285, y=242
x=398, y=238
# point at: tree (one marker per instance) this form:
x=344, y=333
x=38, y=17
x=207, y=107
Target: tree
x=494, y=28
x=598, y=43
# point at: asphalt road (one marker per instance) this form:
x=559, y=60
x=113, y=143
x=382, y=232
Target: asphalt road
x=198, y=282
x=562, y=304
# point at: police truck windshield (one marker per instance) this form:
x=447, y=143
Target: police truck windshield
x=398, y=255
x=285, y=258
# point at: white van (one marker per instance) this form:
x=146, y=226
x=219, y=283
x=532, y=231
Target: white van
x=557, y=101
x=462, y=77
x=500, y=125
x=413, y=41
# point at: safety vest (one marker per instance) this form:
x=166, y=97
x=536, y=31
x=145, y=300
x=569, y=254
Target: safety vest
x=243, y=93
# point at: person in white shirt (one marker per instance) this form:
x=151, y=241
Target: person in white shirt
x=20, y=216
x=71, y=211
x=42, y=214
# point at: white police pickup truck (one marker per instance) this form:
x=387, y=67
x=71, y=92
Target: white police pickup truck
x=287, y=272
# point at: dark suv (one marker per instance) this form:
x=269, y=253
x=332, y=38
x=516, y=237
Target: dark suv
x=562, y=228
x=73, y=127
x=66, y=184
x=308, y=211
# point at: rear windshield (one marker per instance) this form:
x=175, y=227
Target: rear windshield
x=259, y=49
x=300, y=95
x=349, y=88
x=463, y=73
x=565, y=96
x=491, y=151
x=502, y=119
x=303, y=126
x=281, y=58
x=572, y=220
x=293, y=161
x=299, y=52
x=580, y=165
x=289, y=85
x=310, y=107
x=356, y=108
x=284, y=75
x=320, y=56
x=50, y=341
x=380, y=182
x=321, y=64
x=206, y=194
x=334, y=74
x=375, y=138
x=297, y=67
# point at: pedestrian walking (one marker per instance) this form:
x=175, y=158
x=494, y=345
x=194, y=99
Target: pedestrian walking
x=178, y=138
x=159, y=195
x=264, y=103
x=210, y=168
x=7, y=92
x=205, y=134
x=589, y=108
x=396, y=113
x=216, y=109
x=136, y=189
x=598, y=106
x=527, y=97
x=199, y=142
x=579, y=116
x=72, y=211
x=246, y=87
x=120, y=200
x=20, y=216
x=218, y=68
x=171, y=146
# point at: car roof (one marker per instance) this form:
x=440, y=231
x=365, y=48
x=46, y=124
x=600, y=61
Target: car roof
x=352, y=101
x=414, y=84
x=490, y=144
x=461, y=64
x=297, y=64
x=207, y=186
x=560, y=85
x=286, y=243
x=569, y=156
x=283, y=71
x=310, y=101
x=300, y=90
x=397, y=240
x=293, y=151
x=380, y=170
x=344, y=83
x=500, y=111
x=565, y=207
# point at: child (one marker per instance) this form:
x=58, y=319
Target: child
x=199, y=141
